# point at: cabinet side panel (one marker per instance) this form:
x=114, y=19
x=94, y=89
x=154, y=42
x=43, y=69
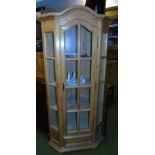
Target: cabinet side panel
x=59, y=78
x=43, y=26
x=50, y=26
x=96, y=75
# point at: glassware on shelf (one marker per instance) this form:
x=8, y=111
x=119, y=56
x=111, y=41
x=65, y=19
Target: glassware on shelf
x=84, y=54
x=71, y=79
x=71, y=55
x=74, y=55
x=82, y=79
x=68, y=77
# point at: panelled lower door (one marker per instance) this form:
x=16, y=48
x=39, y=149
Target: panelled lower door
x=78, y=56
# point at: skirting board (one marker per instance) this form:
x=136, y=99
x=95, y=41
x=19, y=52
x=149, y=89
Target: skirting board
x=76, y=147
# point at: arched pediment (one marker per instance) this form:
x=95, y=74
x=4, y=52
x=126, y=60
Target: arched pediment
x=78, y=8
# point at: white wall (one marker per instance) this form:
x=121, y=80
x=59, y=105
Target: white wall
x=110, y=3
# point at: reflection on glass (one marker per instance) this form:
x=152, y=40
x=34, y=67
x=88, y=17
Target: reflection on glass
x=54, y=119
x=71, y=72
x=71, y=42
x=49, y=42
x=100, y=103
x=52, y=95
x=103, y=44
x=50, y=71
x=85, y=72
x=84, y=120
x=85, y=42
x=71, y=98
x=71, y=121
x=84, y=97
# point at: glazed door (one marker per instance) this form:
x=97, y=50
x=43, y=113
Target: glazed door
x=78, y=57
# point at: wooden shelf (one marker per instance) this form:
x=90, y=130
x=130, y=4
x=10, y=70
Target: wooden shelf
x=80, y=110
x=111, y=37
x=72, y=110
x=85, y=85
x=76, y=86
x=71, y=59
x=113, y=25
x=81, y=58
x=112, y=61
x=50, y=58
x=86, y=58
x=71, y=86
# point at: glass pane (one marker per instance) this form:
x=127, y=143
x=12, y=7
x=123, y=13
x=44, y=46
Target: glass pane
x=50, y=71
x=100, y=103
x=84, y=119
x=71, y=42
x=84, y=98
x=86, y=42
x=54, y=119
x=104, y=44
x=71, y=121
x=52, y=95
x=71, y=98
x=49, y=42
x=102, y=69
x=85, y=72
x=71, y=72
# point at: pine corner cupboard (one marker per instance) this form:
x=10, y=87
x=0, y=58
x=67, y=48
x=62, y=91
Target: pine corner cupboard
x=74, y=48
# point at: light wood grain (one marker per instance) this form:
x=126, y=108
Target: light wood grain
x=57, y=23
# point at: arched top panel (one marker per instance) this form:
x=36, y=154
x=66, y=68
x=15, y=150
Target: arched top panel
x=77, y=8
x=88, y=25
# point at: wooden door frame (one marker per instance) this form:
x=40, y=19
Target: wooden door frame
x=94, y=31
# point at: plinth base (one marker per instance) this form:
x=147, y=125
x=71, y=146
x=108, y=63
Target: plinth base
x=75, y=147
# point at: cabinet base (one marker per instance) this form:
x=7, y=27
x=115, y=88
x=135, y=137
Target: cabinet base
x=75, y=147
